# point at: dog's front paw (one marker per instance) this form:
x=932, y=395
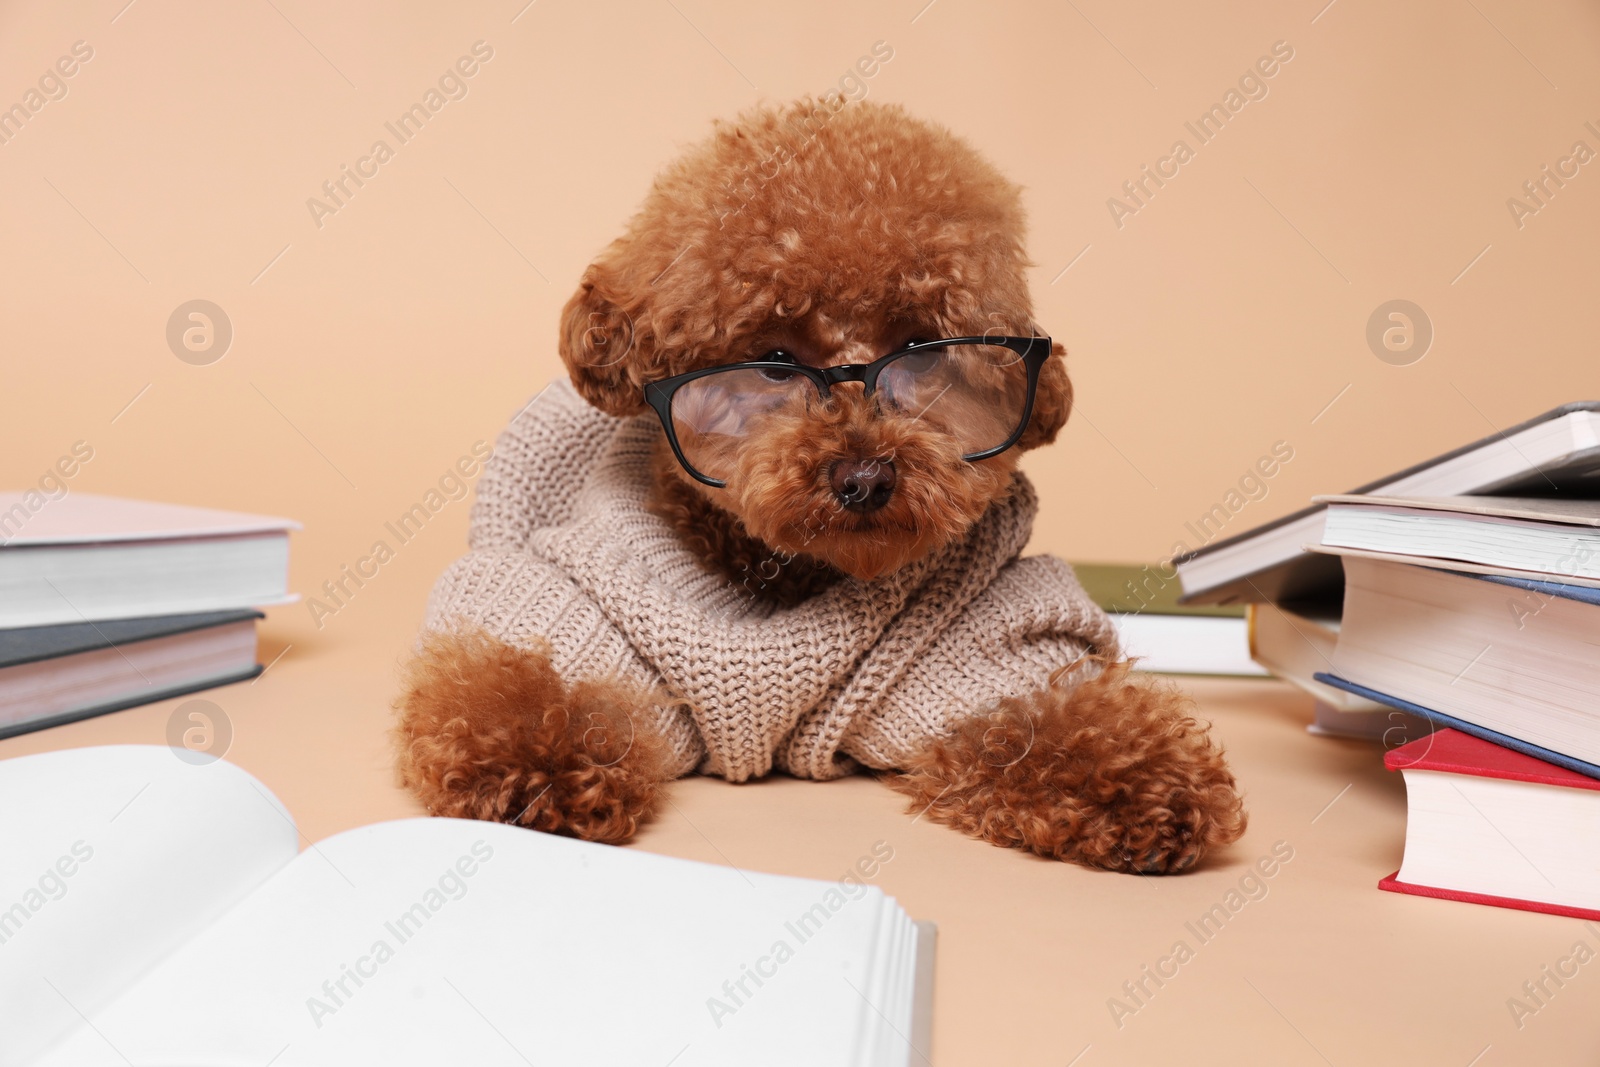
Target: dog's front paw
x=490, y=731
x=1114, y=774
x=1158, y=815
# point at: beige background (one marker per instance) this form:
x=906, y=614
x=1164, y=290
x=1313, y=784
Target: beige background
x=1227, y=314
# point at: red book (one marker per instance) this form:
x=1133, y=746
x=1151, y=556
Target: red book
x=1488, y=825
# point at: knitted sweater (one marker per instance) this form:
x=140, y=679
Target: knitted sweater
x=565, y=556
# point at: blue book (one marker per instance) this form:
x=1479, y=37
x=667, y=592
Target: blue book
x=1560, y=589
x=1440, y=719
x=1512, y=660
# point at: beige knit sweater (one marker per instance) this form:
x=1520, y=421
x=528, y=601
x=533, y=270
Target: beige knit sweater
x=566, y=556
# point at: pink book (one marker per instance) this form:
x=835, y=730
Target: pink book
x=83, y=558
x=32, y=518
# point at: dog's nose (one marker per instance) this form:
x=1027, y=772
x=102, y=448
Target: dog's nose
x=863, y=484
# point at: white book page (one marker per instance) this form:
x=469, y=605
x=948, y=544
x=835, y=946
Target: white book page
x=1532, y=511
x=880, y=1038
x=110, y=858
x=432, y=941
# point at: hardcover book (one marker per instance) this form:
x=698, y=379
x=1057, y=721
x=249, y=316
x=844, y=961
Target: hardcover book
x=1555, y=453
x=160, y=913
x=51, y=675
x=1488, y=825
x=1508, y=659
x=86, y=558
x=1552, y=540
x=1296, y=641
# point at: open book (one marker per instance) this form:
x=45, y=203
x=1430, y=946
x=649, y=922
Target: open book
x=155, y=912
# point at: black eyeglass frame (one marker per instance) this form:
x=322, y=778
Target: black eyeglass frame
x=1033, y=350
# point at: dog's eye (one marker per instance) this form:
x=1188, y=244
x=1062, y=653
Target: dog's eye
x=772, y=374
x=921, y=361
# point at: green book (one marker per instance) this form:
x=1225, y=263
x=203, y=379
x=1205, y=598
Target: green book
x=1165, y=636
x=1131, y=587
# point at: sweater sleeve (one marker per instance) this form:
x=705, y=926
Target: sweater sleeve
x=1033, y=619
x=540, y=462
x=526, y=602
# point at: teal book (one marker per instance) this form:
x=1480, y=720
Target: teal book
x=51, y=675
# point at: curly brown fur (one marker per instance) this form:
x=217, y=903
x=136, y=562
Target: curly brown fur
x=1114, y=773
x=489, y=731
x=835, y=232
x=836, y=235
x=856, y=215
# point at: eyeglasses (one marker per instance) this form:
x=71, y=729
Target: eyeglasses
x=977, y=390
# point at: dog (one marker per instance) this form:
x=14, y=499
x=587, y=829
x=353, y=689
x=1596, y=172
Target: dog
x=812, y=360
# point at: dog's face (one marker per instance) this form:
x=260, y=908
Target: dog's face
x=817, y=236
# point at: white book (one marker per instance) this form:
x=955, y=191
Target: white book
x=158, y=912
x=1551, y=539
x=1558, y=451
x=1187, y=644
x=86, y=558
x=1295, y=643
x=1165, y=638
x=1512, y=660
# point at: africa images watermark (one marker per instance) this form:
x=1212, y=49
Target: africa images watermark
x=1251, y=487
x=452, y=486
x=1399, y=332
x=1252, y=887
x=1528, y=603
x=50, y=487
x=851, y=886
x=1252, y=86
x=199, y=332
x=51, y=885
x=814, y=525
x=451, y=885
x=50, y=87
x=1538, y=191
x=199, y=732
x=337, y=192
x=851, y=88
x=1537, y=993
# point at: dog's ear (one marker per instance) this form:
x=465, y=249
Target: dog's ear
x=601, y=345
x=1052, y=403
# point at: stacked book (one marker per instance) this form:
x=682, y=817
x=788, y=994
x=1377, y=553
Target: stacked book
x=1461, y=596
x=1164, y=636
x=107, y=603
